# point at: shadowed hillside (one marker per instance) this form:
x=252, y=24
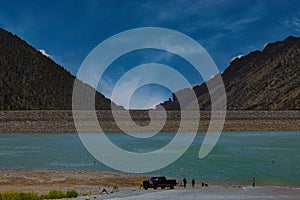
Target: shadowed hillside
x=261, y=80
x=30, y=80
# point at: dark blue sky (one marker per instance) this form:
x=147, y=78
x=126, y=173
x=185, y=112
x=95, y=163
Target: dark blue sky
x=69, y=30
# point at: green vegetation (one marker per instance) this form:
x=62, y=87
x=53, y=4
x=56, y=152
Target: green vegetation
x=72, y=194
x=30, y=80
x=53, y=194
x=9, y=195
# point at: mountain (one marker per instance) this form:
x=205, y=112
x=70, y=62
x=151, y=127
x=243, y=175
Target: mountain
x=261, y=80
x=31, y=80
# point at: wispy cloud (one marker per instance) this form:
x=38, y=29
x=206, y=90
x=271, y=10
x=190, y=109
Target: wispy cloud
x=239, y=24
x=128, y=96
x=293, y=23
x=125, y=91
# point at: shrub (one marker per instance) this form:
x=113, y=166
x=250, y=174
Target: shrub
x=29, y=196
x=9, y=195
x=54, y=194
x=72, y=194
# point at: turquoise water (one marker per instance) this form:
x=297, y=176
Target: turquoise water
x=272, y=157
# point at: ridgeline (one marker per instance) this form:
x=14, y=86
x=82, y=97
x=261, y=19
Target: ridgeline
x=31, y=81
x=261, y=80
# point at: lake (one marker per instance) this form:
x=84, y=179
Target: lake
x=272, y=157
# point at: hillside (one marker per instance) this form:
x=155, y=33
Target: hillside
x=30, y=80
x=261, y=80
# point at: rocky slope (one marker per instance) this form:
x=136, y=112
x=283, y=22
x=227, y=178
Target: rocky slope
x=261, y=80
x=30, y=80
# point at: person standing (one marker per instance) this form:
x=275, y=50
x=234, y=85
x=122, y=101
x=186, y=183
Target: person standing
x=193, y=183
x=184, y=182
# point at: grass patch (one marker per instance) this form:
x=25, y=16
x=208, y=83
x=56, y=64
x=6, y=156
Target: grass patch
x=53, y=194
x=10, y=195
x=72, y=194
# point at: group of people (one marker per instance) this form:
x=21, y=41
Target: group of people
x=193, y=183
x=184, y=182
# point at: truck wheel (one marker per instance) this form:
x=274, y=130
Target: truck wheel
x=155, y=187
x=172, y=187
x=163, y=188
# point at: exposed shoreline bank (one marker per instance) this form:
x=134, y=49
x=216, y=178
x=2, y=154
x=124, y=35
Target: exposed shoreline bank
x=87, y=182
x=61, y=121
x=83, y=181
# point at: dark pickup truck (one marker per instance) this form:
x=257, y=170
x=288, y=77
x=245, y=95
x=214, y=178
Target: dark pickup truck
x=162, y=182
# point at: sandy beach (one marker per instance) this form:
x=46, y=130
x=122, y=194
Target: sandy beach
x=90, y=184
x=83, y=181
x=62, y=121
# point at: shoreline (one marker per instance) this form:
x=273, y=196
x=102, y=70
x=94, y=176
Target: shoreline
x=83, y=181
x=90, y=185
x=61, y=121
x=93, y=182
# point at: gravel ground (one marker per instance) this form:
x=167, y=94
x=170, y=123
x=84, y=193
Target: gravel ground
x=62, y=121
x=214, y=192
x=270, y=192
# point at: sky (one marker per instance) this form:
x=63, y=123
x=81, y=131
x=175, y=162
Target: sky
x=68, y=31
